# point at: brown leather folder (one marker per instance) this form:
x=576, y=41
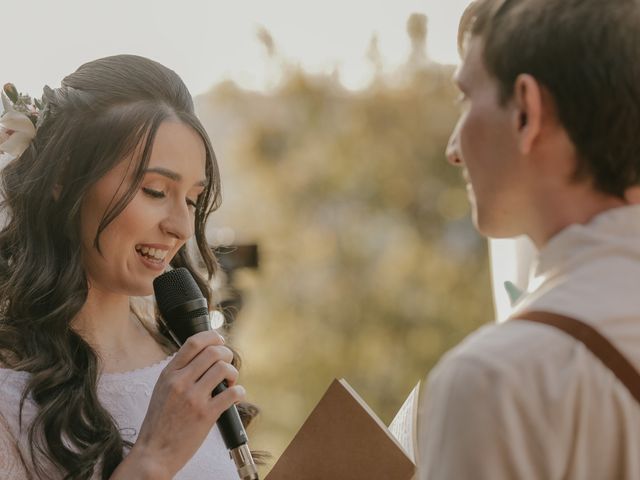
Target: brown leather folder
x=343, y=439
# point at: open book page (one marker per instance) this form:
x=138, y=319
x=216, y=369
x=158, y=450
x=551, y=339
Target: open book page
x=403, y=426
x=343, y=439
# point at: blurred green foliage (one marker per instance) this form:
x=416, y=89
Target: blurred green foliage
x=370, y=266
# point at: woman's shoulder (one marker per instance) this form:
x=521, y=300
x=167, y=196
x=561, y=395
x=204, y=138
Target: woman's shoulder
x=12, y=410
x=12, y=385
x=12, y=380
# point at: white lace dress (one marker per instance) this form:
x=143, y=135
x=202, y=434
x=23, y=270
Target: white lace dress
x=126, y=396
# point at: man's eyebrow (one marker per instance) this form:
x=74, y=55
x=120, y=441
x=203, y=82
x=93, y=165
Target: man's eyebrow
x=170, y=174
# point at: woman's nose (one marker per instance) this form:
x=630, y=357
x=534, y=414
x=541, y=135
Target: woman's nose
x=179, y=223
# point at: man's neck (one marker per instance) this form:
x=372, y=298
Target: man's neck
x=576, y=205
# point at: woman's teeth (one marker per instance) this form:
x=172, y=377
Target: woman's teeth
x=153, y=253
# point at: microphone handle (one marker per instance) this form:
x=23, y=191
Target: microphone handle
x=229, y=423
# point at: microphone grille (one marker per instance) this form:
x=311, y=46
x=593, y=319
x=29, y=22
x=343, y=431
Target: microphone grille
x=175, y=288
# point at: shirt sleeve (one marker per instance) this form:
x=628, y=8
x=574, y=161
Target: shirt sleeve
x=11, y=463
x=476, y=422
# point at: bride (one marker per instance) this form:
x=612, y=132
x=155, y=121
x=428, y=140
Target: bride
x=117, y=174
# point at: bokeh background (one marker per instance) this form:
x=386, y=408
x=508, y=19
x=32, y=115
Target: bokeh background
x=368, y=265
x=346, y=236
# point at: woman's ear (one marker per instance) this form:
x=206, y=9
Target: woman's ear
x=57, y=190
x=632, y=195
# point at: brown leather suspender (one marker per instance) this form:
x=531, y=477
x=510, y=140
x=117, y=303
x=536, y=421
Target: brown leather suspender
x=594, y=341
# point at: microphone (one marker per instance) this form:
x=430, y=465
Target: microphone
x=185, y=311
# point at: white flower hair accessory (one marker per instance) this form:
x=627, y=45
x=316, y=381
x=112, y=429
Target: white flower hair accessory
x=18, y=121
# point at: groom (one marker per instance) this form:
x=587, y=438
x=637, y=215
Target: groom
x=549, y=144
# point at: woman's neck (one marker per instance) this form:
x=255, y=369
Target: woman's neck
x=115, y=333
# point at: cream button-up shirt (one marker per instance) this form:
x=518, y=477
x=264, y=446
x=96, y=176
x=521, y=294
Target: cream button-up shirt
x=526, y=401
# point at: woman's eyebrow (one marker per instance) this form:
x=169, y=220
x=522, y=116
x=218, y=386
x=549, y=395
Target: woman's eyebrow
x=170, y=174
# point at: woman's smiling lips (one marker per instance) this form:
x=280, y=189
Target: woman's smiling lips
x=152, y=255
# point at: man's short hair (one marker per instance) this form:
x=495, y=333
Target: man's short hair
x=586, y=54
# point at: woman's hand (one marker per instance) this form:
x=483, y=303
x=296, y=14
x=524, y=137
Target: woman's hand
x=181, y=411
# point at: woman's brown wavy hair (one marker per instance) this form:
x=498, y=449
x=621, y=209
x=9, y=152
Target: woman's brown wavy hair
x=104, y=112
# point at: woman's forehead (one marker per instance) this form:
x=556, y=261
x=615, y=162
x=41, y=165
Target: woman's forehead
x=179, y=148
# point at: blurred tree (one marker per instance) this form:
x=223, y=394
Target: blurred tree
x=265, y=38
x=370, y=267
x=417, y=28
x=374, y=56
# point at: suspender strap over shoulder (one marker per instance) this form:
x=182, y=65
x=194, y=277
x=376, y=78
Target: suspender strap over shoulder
x=594, y=341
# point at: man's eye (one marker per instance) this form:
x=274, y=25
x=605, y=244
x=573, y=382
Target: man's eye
x=153, y=193
x=192, y=203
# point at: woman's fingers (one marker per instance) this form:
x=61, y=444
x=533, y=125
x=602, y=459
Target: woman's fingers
x=218, y=373
x=193, y=346
x=196, y=395
x=231, y=396
x=204, y=360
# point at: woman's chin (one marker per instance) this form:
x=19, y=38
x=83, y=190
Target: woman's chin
x=143, y=291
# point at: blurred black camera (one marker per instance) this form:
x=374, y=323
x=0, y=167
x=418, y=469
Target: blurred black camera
x=232, y=258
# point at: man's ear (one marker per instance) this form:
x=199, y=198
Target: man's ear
x=57, y=190
x=528, y=111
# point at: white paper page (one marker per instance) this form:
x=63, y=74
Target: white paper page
x=403, y=425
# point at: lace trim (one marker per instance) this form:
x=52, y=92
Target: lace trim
x=7, y=374
x=142, y=371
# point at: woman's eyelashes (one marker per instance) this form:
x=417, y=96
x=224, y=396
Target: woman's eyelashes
x=160, y=194
x=153, y=193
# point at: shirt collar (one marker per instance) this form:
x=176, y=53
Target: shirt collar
x=617, y=227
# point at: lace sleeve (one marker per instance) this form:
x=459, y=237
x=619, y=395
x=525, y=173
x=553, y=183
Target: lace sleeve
x=11, y=463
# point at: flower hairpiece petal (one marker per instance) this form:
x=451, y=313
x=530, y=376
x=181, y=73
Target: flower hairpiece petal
x=16, y=144
x=11, y=91
x=19, y=122
x=6, y=103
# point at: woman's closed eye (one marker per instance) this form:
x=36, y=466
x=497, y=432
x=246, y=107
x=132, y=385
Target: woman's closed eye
x=160, y=194
x=154, y=193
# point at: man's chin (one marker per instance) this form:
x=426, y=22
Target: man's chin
x=483, y=225
x=492, y=230
x=475, y=219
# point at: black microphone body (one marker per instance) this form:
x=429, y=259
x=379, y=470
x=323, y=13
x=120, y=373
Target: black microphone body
x=185, y=312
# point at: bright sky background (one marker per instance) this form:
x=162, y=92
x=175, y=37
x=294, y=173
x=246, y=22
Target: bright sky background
x=207, y=41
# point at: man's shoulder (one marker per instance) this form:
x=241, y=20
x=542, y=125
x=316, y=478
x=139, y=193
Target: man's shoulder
x=508, y=352
x=511, y=341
